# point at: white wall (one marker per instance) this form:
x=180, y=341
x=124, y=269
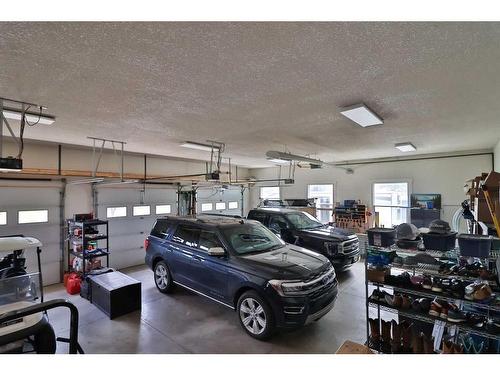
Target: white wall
x=496, y=151
x=442, y=176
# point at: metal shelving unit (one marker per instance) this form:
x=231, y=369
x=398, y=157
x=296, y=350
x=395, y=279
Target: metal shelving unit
x=371, y=305
x=89, y=234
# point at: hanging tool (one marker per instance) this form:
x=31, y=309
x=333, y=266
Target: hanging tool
x=491, y=208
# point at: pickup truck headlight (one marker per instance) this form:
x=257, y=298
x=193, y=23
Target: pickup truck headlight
x=332, y=248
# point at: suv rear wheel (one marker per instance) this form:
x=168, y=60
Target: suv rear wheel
x=255, y=315
x=163, y=278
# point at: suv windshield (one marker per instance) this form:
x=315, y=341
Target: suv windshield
x=303, y=220
x=251, y=238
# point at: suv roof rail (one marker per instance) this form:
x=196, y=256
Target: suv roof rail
x=223, y=215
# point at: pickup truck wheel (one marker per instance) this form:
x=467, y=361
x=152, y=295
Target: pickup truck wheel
x=255, y=315
x=163, y=278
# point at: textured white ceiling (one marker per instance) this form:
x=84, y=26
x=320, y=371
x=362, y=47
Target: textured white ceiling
x=259, y=86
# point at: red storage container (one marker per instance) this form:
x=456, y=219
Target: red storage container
x=73, y=284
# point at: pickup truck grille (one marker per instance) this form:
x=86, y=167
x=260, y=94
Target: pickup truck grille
x=350, y=246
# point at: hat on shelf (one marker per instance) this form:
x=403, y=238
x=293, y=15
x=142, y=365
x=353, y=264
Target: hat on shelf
x=439, y=226
x=406, y=231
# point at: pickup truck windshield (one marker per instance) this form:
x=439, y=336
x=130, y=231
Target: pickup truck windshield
x=251, y=238
x=303, y=220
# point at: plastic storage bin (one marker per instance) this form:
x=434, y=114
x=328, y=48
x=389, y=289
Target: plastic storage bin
x=439, y=242
x=474, y=245
x=382, y=237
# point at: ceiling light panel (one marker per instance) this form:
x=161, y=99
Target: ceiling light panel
x=31, y=118
x=199, y=146
x=405, y=147
x=361, y=115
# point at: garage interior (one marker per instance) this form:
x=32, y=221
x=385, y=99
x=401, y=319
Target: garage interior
x=127, y=123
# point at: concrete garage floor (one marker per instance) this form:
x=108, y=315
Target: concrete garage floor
x=184, y=322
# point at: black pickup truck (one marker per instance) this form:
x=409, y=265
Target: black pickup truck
x=296, y=227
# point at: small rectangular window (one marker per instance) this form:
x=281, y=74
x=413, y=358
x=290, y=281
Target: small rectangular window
x=3, y=218
x=116, y=212
x=33, y=216
x=141, y=210
x=163, y=209
x=206, y=207
x=270, y=192
x=220, y=206
x=233, y=205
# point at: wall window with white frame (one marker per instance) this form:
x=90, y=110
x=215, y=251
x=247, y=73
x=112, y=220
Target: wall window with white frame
x=269, y=192
x=33, y=216
x=141, y=210
x=324, y=200
x=113, y=212
x=233, y=205
x=207, y=207
x=220, y=206
x=391, y=201
x=3, y=218
x=161, y=209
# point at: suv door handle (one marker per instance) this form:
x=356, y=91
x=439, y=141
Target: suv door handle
x=198, y=258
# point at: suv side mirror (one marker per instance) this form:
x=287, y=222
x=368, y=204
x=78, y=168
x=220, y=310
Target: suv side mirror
x=216, y=252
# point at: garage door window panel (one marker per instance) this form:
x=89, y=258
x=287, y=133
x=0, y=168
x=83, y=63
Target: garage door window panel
x=186, y=236
x=114, y=212
x=3, y=218
x=233, y=205
x=220, y=206
x=162, y=209
x=206, y=207
x=141, y=210
x=33, y=216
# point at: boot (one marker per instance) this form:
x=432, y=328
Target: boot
x=458, y=349
x=428, y=344
x=418, y=343
x=447, y=347
x=406, y=335
x=386, y=336
x=374, y=331
x=396, y=337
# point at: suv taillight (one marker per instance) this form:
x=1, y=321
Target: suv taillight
x=146, y=243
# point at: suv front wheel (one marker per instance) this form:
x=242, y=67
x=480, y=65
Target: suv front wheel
x=163, y=278
x=255, y=315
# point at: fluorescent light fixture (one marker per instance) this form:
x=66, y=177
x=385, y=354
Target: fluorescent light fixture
x=361, y=115
x=199, y=146
x=405, y=147
x=31, y=117
x=279, y=161
x=86, y=181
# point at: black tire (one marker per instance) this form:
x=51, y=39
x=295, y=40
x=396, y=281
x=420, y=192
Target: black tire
x=45, y=340
x=164, y=284
x=261, y=332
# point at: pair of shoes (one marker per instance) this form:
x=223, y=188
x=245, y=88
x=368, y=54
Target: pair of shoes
x=453, y=287
x=440, y=308
x=374, y=332
x=493, y=326
x=455, y=315
x=474, y=320
x=450, y=347
x=478, y=291
x=379, y=295
x=399, y=301
x=427, y=282
x=421, y=305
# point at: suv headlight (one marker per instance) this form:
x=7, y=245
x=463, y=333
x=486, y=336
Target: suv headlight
x=283, y=287
x=332, y=248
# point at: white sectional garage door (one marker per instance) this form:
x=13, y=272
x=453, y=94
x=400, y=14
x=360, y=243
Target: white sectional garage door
x=219, y=201
x=34, y=211
x=128, y=231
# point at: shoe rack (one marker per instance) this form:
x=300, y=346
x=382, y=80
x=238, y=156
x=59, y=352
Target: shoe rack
x=377, y=309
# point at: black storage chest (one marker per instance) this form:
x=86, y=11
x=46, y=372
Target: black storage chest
x=115, y=293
